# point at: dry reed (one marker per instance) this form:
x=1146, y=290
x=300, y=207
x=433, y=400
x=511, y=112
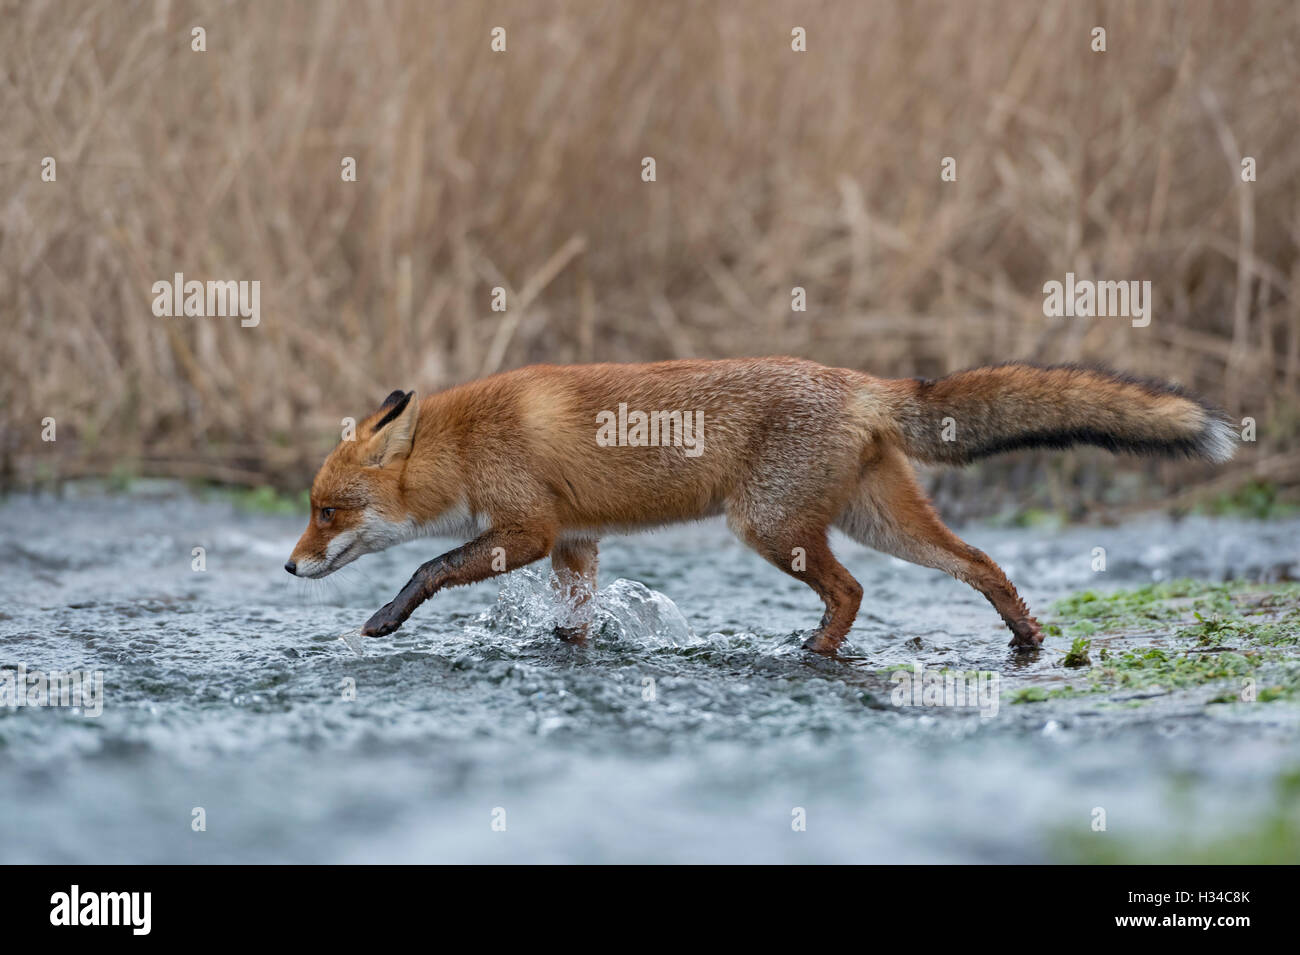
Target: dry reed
x=522, y=170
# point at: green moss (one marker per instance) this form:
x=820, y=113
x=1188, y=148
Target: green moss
x=1039, y=694
x=1030, y=694
x=1090, y=611
x=1078, y=655
x=1156, y=667
x=1206, y=633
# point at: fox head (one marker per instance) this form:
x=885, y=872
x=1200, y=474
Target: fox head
x=357, y=499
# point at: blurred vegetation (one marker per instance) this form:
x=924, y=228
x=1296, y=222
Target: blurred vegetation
x=1270, y=836
x=522, y=169
x=1254, y=498
x=267, y=500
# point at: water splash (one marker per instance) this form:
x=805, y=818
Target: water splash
x=354, y=641
x=631, y=612
x=531, y=605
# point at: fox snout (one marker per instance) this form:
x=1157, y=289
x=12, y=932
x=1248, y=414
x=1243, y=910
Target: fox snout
x=319, y=553
x=327, y=563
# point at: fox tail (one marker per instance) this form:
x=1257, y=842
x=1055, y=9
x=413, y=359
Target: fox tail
x=972, y=414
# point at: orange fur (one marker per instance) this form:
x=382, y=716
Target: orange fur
x=789, y=449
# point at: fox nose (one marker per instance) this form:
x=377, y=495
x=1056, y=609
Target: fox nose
x=291, y=567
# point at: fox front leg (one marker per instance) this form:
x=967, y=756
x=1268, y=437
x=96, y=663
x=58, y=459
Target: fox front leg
x=492, y=553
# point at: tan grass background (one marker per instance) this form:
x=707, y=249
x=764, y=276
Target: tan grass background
x=522, y=169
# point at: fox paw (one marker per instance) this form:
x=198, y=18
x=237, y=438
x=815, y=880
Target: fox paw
x=575, y=635
x=384, y=622
x=1027, y=634
x=820, y=642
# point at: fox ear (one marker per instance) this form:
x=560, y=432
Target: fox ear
x=398, y=397
x=393, y=432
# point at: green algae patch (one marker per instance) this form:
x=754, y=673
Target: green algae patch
x=1180, y=634
x=1149, y=606
x=1143, y=669
x=1031, y=694
x=1078, y=654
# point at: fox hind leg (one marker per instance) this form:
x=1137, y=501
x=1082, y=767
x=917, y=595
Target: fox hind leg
x=806, y=555
x=892, y=514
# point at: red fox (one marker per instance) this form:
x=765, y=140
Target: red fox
x=546, y=459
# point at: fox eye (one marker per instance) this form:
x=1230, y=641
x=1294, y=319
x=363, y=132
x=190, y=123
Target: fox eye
x=326, y=513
